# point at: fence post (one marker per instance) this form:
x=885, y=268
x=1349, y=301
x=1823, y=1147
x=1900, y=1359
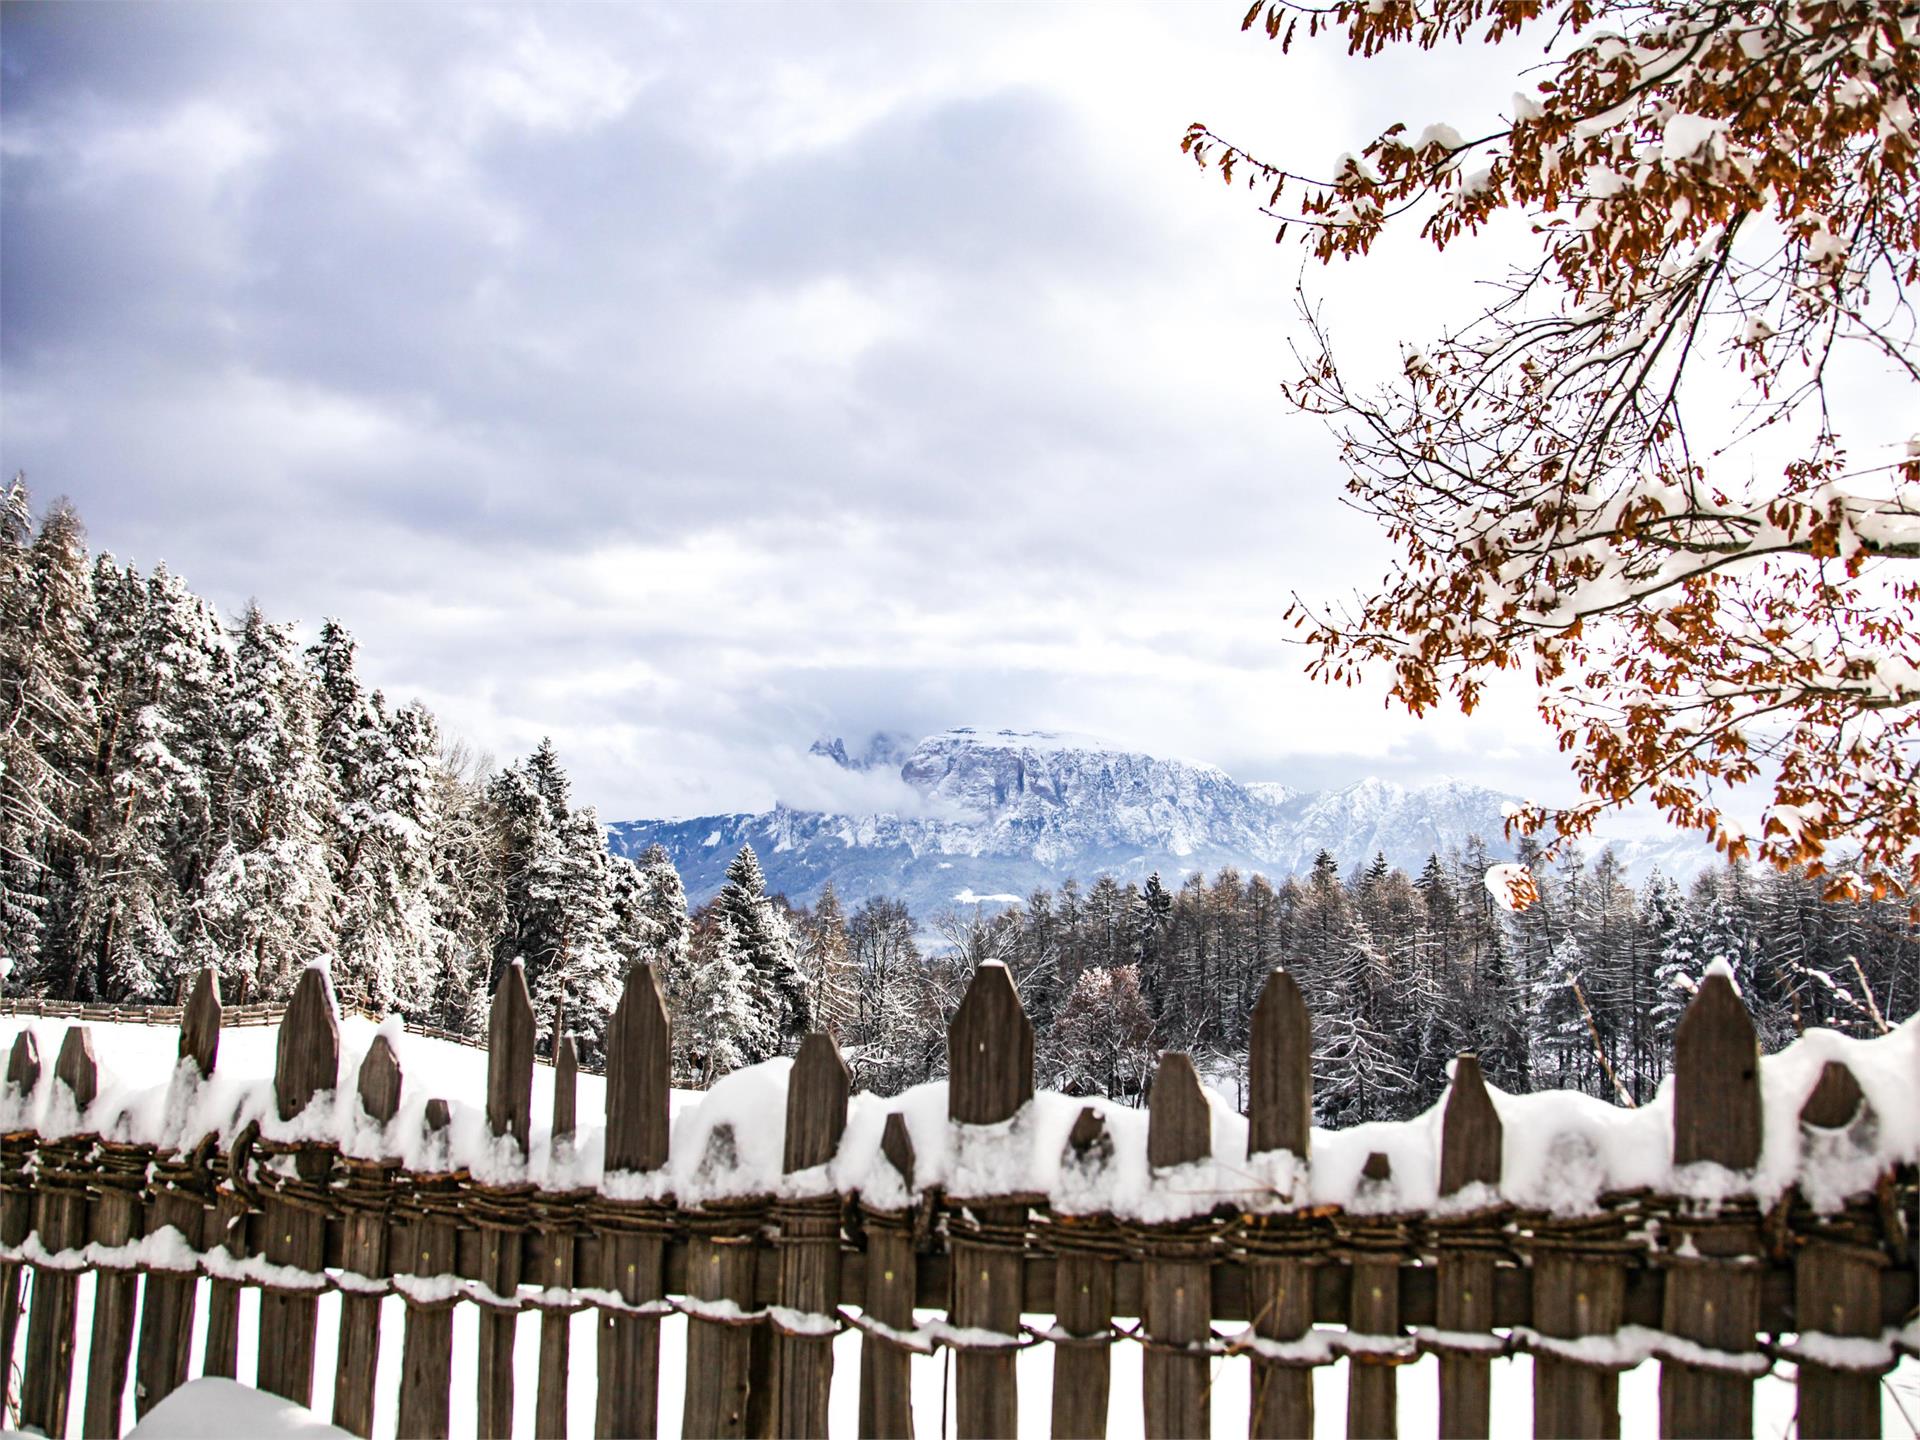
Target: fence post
x=1281, y=1250
x=231, y=1209
x=990, y=1077
x=1470, y=1154
x=510, y=1039
x=555, y=1220
x=639, y=1071
x=1711, y=1297
x=366, y=1198
x=307, y=1062
x=1083, y=1294
x=1836, y=1287
x=426, y=1350
x=726, y=1380
x=1373, y=1311
x=61, y=1219
x=886, y=1408
x=16, y=1199
x=1176, y=1296
x=120, y=1179
x=181, y=1184
x=809, y=1242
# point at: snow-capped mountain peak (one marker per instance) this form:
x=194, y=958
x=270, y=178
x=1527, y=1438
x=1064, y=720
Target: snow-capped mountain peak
x=1002, y=811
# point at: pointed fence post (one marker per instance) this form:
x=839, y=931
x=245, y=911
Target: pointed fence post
x=555, y=1215
x=728, y=1361
x=1836, y=1288
x=990, y=1077
x=1083, y=1293
x=809, y=1242
x=510, y=1040
x=16, y=1198
x=426, y=1352
x=632, y=1238
x=1470, y=1154
x=60, y=1218
x=119, y=1183
x=367, y=1201
x=886, y=1409
x=1280, y=1248
x=1177, y=1290
x=307, y=1063
x=1373, y=1310
x=232, y=1207
x=1711, y=1297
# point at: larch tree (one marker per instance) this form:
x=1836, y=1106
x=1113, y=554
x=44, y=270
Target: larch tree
x=1670, y=467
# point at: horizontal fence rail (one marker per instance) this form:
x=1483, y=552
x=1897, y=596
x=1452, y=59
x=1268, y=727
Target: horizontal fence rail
x=1718, y=1282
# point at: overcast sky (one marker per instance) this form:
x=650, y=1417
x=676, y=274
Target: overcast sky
x=686, y=383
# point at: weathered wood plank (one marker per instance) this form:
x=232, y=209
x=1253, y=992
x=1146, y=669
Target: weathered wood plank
x=1836, y=1284
x=510, y=1042
x=364, y=1251
x=1177, y=1291
x=639, y=1068
x=200, y=1023
x=1280, y=1070
x=1082, y=1297
x=1280, y=1119
x=550, y=1399
x=719, y=1399
x=556, y=1330
x=60, y=1218
x=510, y=1037
x=990, y=1069
x=16, y=1202
x=1373, y=1308
x=116, y=1221
x=230, y=1234
x=809, y=1243
x=1280, y=1297
x=1717, y=1118
x=1579, y=1288
x=426, y=1354
x=168, y=1303
x=886, y=1408
x=1470, y=1154
x=307, y=1061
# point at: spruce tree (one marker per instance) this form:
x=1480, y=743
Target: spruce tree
x=766, y=946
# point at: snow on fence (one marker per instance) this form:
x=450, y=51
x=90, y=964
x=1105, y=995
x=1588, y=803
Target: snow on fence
x=1757, y=1212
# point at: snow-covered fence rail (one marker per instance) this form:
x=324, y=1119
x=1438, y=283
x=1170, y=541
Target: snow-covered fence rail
x=266, y=1012
x=1749, y=1218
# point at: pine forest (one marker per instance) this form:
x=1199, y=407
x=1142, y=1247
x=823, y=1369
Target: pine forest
x=181, y=789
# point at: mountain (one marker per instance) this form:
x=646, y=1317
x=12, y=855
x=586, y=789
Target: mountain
x=987, y=816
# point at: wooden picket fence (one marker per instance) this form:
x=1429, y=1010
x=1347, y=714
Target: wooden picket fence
x=264, y=1012
x=766, y=1283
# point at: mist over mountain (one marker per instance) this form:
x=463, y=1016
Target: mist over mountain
x=988, y=815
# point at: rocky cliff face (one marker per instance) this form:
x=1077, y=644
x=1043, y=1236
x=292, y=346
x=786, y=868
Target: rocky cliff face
x=989, y=815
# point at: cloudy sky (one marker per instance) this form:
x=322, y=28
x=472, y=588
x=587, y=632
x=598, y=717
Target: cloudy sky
x=686, y=383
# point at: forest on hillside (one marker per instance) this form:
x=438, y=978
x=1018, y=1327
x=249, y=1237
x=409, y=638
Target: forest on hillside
x=181, y=789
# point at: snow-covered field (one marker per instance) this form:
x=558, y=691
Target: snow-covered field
x=138, y=1099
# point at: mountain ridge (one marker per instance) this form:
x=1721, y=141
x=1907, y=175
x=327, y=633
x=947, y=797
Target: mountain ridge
x=992, y=813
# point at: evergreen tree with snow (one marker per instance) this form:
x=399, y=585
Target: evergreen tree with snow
x=266, y=905
x=156, y=645
x=767, y=948
x=728, y=1026
x=47, y=729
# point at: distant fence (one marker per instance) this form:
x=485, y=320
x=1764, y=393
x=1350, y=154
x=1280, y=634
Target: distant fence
x=767, y=1281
